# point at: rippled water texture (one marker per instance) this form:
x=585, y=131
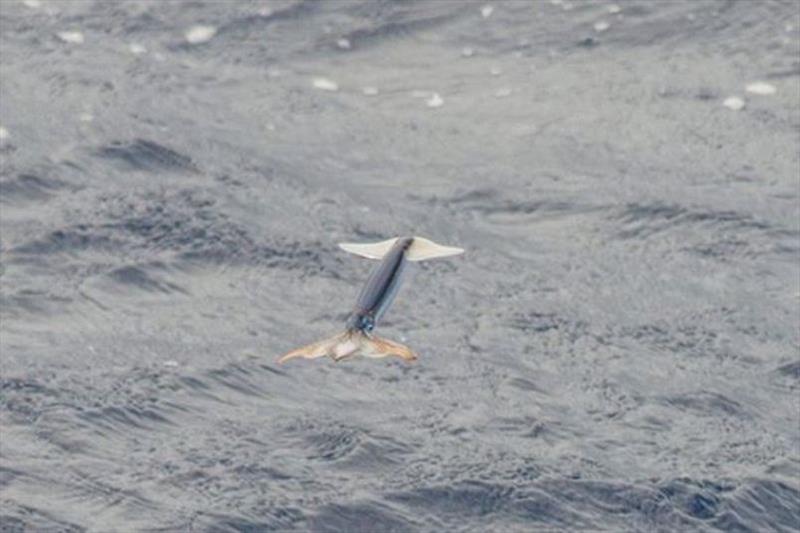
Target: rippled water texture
x=617, y=350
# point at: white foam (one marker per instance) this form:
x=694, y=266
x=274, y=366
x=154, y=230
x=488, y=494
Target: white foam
x=601, y=25
x=486, y=11
x=33, y=4
x=86, y=117
x=614, y=9
x=733, y=102
x=344, y=44
x=137, y=49
x=324, y=84
x=3, y=134
x=495, y=71
x=761, y=88
x=434, y=101
x=502, y=93
x=467, y=51
x=370, y=91
x=200, y=34
x=72, y=37
x=171, y=364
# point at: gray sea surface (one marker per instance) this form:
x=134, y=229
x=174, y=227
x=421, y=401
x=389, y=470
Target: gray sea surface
x=617, y=350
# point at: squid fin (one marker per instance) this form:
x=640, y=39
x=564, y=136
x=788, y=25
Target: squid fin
x=374, y=250
x=422, y=249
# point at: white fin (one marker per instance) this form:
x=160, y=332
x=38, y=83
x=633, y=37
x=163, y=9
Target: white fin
x=375, y=250
x=422, y=248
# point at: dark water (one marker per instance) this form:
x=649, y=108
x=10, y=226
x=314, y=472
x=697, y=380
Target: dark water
x=617, y=350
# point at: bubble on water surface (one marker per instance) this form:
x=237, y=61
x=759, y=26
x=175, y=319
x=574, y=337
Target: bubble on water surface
x=486, y=11
x=370, y=91
x=344, y=44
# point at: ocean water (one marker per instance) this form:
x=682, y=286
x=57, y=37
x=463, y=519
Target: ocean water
x=617, y=350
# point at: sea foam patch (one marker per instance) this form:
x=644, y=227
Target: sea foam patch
x=761, y=88
x=72, y=37
x=733, y=102
x=200, y=34
x=325, y=84
x=601, y=26
x=434, y=101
